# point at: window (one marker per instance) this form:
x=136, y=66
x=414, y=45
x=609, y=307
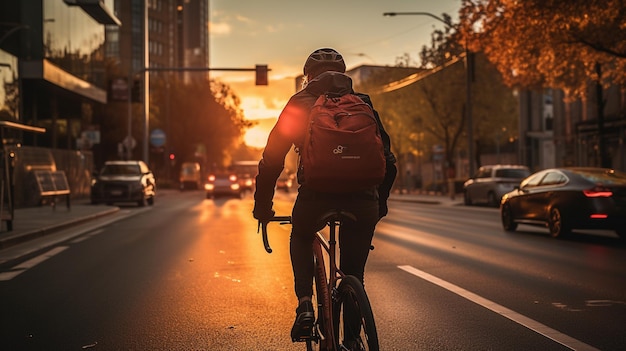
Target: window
x=553, y=178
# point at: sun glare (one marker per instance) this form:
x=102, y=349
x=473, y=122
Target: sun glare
x=256, y=137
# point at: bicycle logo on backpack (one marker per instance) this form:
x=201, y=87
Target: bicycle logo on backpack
x=344, y=318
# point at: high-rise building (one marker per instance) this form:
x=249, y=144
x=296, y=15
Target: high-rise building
x=178, y=34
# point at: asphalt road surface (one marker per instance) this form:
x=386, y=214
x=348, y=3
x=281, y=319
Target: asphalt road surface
x=191, y=273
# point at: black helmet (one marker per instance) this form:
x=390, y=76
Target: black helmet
x=325, y=59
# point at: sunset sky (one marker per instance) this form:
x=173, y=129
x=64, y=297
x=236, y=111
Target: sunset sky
x=282, y=33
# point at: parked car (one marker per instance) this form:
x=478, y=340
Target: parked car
x=223, y=184
x=564, y=199
x=123, y=181
x=190, y=176
x=491, y=182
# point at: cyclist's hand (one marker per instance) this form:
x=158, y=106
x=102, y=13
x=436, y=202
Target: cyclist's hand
x=263, y=212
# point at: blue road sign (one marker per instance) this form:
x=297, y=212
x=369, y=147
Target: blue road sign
x=157, y=138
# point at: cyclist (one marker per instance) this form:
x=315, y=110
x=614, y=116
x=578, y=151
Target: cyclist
x=323, y=73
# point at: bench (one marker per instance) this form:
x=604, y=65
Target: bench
x=53, y=184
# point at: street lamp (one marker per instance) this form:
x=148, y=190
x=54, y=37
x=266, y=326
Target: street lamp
x=468, y=86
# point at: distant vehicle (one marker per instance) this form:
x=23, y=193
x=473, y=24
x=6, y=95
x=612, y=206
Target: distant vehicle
x=123, y=181
x=285, y=181
x=246, y=171
x=190, y=176
x=491, y=182
x=223, y=184
x=563, y=199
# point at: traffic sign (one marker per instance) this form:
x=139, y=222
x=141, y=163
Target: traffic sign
x=157, y=138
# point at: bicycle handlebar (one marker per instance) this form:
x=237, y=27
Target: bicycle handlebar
x=263, y=227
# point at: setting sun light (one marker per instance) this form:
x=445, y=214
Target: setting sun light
x=256, y=137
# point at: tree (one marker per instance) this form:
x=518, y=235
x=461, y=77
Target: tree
x=550, y=43
x=202, y=119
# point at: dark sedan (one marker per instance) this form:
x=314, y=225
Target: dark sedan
x=564, y=199
x=124, y=181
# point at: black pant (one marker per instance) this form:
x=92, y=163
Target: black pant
x=355, y=238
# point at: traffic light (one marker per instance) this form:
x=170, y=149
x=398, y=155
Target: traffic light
x=172, y=157
x=261, y=74
x=135, y=92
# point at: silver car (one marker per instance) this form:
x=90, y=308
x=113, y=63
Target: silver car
x=491, y=182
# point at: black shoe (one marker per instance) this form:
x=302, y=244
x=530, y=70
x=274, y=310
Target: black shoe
x=303, y=326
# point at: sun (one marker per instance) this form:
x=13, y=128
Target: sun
x=256, y=137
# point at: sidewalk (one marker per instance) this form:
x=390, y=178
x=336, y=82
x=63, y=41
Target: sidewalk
x=35, y=222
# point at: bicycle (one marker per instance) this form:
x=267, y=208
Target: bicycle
x=344, y=318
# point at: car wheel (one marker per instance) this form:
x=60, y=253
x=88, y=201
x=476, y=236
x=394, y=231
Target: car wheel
x=151, y=201
x=557, y=225
x=467, y=200
x=508, y=222
x=491, y=200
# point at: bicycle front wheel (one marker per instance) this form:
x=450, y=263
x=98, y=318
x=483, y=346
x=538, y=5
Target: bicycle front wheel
x=353, y=319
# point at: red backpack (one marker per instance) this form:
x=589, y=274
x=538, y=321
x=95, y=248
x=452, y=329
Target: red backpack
x=342, y=150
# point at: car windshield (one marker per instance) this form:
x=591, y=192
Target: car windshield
x=121, y=170
x=512, y=173
x=604, y=177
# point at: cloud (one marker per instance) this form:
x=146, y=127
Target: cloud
x=243, y=19
x=220, y=28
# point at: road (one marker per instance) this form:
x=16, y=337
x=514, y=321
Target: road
x=191, y=274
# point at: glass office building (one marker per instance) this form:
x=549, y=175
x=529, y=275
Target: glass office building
x=55, y=72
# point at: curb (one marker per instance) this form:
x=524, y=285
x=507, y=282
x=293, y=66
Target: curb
x=41, y=232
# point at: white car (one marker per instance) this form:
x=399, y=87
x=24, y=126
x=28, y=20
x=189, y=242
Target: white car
x=491, y=182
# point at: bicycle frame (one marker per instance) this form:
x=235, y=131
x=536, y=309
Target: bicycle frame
x=327, y=287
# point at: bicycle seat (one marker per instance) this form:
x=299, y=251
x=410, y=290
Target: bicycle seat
x=336, y=215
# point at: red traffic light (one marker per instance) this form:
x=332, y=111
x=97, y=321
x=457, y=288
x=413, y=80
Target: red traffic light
x=172, y=156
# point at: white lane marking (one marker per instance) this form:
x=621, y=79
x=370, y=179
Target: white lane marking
x=531, y=324
x=22, y=267
x=87, y=236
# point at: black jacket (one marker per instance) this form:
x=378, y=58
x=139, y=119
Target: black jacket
x=291, y=128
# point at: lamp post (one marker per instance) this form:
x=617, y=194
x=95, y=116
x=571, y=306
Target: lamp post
x=468, y=86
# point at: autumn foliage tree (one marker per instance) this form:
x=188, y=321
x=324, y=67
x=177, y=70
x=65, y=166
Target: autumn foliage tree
x=550, y=43
x=202, y=118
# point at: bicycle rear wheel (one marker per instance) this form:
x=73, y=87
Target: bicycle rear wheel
x=353, y=319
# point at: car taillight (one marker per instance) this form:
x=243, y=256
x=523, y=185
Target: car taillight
x=598, y=191
x=232, y=178
x=211, y=178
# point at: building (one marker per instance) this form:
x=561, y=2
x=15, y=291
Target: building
x=55, y=52
x=177, y=38
x=560, y=133
x=52, y=65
